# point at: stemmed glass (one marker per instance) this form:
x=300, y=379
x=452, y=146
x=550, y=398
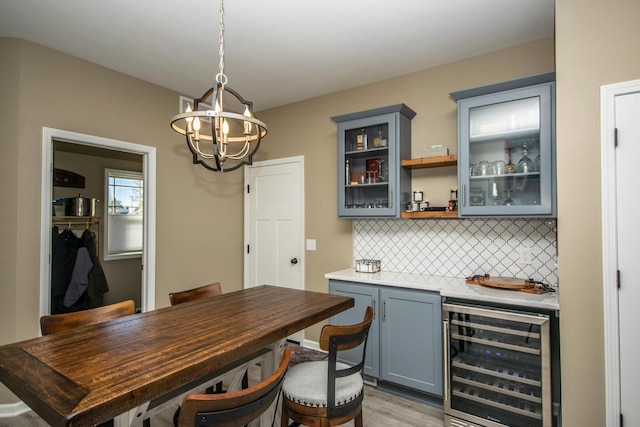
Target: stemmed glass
x=509, y=201
x=495, y=193
x=525, y=165
x=510, y=167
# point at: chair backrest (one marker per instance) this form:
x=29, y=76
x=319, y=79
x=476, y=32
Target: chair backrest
x=335, y=338
x=61, y=322
x=233, y=409
x=205, y=291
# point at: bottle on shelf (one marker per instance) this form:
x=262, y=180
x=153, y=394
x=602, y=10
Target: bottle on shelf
x=378, y=141
x=347, y=173
x=453, y=200
x=361, y=140
x=383, y=142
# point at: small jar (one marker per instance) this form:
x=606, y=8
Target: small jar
x=497, y=167
x=482, y=168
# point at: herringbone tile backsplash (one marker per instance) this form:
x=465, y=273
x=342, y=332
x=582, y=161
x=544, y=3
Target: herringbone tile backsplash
x=459, y=248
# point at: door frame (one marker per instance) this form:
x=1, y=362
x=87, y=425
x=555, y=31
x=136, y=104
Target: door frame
x=148, y=154
x=608, y=94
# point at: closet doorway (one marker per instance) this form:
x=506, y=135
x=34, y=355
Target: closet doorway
x=88, y=156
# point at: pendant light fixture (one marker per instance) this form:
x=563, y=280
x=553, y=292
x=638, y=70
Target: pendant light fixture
x=221, y=130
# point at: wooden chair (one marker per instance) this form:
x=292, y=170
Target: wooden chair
x=328, y=393
x=233, y=409
x=205, y=291
x=61, y=322
x=53, y=323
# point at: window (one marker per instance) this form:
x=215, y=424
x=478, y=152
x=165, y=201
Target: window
x=124, y=214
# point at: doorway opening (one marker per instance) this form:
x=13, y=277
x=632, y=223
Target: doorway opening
x=69, y=144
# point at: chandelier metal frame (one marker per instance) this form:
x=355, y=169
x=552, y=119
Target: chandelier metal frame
x=228, y=129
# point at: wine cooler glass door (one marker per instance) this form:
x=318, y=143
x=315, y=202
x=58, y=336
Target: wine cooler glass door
x=498, y=366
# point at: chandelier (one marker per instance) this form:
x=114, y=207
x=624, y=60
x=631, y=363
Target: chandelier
x=221, y=130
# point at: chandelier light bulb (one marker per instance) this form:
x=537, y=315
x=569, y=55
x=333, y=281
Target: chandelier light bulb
x=247, y=125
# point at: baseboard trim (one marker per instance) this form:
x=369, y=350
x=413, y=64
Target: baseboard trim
x=10, y=410
x=313, y=345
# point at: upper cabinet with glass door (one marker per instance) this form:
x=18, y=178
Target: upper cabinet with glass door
x=506, y=149
x=371, y=145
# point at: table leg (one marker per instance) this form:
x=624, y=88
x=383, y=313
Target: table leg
x=268, y=367
x=131, y=418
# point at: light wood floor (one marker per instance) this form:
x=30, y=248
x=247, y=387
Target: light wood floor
x=380, y=410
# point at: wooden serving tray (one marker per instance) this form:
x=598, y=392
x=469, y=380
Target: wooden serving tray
x=508, y=283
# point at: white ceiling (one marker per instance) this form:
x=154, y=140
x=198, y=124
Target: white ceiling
x=277, y=51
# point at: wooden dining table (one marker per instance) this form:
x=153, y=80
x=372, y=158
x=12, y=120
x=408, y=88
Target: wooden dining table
x=94, y=373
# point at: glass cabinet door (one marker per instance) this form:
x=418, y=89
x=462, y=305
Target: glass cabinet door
x=370, y=180
x=366, y=161
x=506, y=149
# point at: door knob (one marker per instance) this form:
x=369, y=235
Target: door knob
x=294, y=261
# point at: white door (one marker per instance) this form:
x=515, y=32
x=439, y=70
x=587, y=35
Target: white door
x=274, y=226
x=627, y=111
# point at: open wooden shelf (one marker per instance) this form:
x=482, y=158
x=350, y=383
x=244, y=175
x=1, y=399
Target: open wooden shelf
x=430, y=162
x=429, y=214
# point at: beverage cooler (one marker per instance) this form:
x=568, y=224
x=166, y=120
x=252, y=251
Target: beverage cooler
x=497, y=367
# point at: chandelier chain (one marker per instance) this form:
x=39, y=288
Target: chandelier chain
x=221, y=78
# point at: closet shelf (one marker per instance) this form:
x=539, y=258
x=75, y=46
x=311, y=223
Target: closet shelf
x=76, y=220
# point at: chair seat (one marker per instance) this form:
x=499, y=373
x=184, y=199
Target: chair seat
x=306, y=384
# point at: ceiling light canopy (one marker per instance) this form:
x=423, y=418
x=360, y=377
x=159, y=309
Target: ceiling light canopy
x=221, y=130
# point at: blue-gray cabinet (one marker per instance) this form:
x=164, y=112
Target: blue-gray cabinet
x=364, y=296
x=411, y=339
x=506, y=149
x=405, y=341
x=371, y=145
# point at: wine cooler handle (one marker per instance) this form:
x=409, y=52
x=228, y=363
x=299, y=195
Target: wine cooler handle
x=445, y=355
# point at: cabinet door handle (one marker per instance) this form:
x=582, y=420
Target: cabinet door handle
x=384, y=310
x=374, y=308
x=464, y=198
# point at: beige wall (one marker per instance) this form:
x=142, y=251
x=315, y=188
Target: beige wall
x=305, y=128
x=55, y=90
x=596, y=44
x=9, y=114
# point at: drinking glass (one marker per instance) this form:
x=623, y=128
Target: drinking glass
x=525, y=165
x=497, y=167
x=536, y=163
x=495, y=193
x=482, y=168
x=509, y=201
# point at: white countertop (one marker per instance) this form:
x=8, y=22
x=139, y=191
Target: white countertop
x=453, y=287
